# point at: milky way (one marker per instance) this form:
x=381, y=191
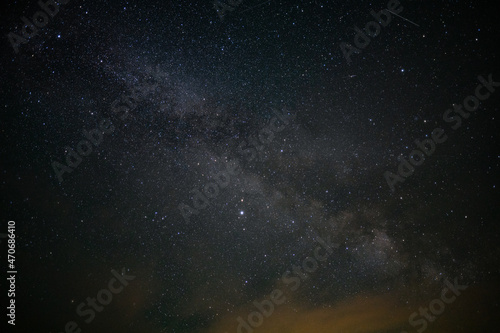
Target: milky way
x=196, y=161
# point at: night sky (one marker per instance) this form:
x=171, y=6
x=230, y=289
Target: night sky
x=199, y=162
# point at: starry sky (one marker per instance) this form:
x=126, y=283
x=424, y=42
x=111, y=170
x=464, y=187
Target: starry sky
x=188, y=88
